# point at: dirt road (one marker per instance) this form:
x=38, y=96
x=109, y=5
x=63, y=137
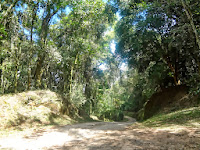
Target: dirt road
x=104, y=136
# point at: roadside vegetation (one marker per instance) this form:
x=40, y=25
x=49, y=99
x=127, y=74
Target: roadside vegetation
x=32, y=110
x=62, y=60
x=188, y=117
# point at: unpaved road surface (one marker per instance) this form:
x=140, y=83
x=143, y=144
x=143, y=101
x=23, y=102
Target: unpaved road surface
x=104, y=136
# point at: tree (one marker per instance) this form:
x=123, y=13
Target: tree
x=158, y=33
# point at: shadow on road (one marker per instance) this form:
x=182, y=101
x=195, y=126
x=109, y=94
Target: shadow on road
x=105, y=136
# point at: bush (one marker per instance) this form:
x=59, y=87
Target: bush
x=115, y=115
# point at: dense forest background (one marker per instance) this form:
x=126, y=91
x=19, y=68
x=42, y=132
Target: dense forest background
x=62, y=45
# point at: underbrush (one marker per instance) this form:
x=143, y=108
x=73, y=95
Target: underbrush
x=31, y=108
x=112, y=115
x=186, y=117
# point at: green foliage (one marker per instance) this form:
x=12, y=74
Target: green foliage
x=155, y=38
x=45, y=47
x=110, y=102
x=188, y=117
x=145, y=85
x=195, y=86
x=77, y=97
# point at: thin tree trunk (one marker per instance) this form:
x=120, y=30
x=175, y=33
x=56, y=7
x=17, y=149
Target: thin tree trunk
x=2, y=81
x=8, y=10
x=29, y=76
x=71, y=74
x=16, y=78
x=71, y=78
x=172, y=70
x=65, y=84
x=1, y=62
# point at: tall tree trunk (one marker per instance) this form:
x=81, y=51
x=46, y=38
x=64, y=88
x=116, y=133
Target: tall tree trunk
x=38, y=72
x=88, y=89
x=43, y=35
x=190, y=18
x=166, y=60
x=15, y=50
x=34, y=13
x=72, y=74
x=66, y=79
x=88, y=75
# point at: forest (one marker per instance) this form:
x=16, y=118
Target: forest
x=104, y=56
x=100, y=74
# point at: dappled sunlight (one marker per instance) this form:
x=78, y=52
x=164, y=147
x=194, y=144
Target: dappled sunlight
x=62, y=135
x=185, y=117
x=106, y=136
x=74, y=73
x=137, y=139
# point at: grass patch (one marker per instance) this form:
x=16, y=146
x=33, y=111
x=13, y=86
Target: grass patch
x=28, y=107
x=31, y=110
x=186, y=117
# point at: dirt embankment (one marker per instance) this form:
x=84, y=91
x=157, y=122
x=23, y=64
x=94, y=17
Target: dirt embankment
x=167, y=97
x=33, y=107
